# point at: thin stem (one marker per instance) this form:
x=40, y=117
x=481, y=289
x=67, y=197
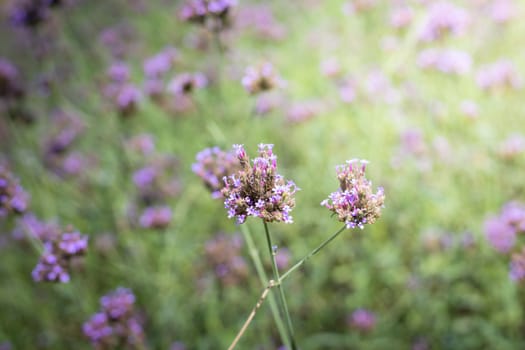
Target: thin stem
x=254, y=253
x=312, y=253
x=281, y=291
x=252, y=314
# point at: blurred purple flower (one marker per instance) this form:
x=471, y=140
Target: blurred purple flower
x=223, y=253
x=500, y=234
x=56, y=259
x=444, y=18
x=213, y=165
x=445, y=61
x=13, y=199
x=116, y=324
x=362, y=320
x=185, y=83
x=499, y=75
x=156, y=217
x=261, y=78
x=158, y=65
x=517, y=266
x=401, y=17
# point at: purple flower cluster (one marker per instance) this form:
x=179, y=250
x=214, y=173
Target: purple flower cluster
x=354, y=203
x=56, y=259
x=158, y=217
x=124, y=95
x=444, y=18
x=258, y=190
x=158, y=65
x=445, y=61
x=261, y=78
x=501, y=230
x=214, y=14
x=363, y=320
x=13, y=199
x=213, y=164
x=116, y=324
x=223, y=253
x=499, y=75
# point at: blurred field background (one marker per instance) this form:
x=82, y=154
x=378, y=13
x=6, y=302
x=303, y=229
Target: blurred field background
x=448, y=151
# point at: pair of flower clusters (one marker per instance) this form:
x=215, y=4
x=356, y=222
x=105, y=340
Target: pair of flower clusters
x=13, y=198
x=116, y=325
x=501, y=232
x=257, y=189
x=59, y=256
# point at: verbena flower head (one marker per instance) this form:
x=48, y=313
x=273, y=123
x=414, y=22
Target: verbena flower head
x=57, y=257
x=261, y=78
x=212, y=165
x=13, y=199
x=354, y=203
x=258, y=190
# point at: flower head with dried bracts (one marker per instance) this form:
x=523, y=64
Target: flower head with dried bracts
x=58, y=256
x=212, y=165
x=355, y=203
x=258, y=190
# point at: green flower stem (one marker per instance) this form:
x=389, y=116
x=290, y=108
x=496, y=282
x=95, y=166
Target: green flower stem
x=254, y=253
x=312, y=253
x=281, y=291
